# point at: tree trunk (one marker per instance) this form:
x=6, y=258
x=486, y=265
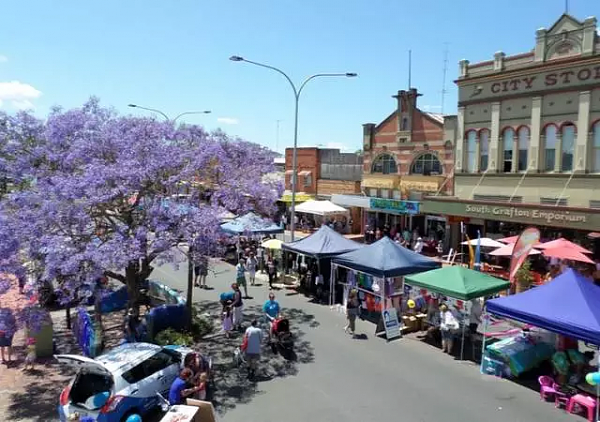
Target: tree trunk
x=190, y=288
x=68, y=311
x=131, y=281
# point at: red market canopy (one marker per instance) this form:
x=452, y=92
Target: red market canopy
x=567, y=253
x=507, y=250
x=562, y=243
x=509, y=240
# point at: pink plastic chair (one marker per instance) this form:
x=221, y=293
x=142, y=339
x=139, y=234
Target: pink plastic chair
x=560, y=398
x=547, y=390
x=585, y=402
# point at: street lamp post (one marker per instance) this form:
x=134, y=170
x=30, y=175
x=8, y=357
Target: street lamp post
x=297, y=92
x=154, y=110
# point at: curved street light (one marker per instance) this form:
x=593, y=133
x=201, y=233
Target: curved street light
x=297, y=92
x=153, y=110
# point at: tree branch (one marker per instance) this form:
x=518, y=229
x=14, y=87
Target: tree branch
x=116, y=276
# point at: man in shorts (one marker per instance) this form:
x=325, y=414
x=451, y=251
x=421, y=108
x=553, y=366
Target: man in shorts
x=254, y=336
x=200, y=272
x=240, y=278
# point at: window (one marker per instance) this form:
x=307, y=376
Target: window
x=508, y=140
x=373, y=192
x=596, y=147
x=404, y=124
x=550, y=147
x=150, y=366
x=385, y=164
x=397, y=194
x=568, y=145
x=426, y=164
x=484, y=149
x=523, y=148
x=307, y=181
x=385, y=193
x=471, y=151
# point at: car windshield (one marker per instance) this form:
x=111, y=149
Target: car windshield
x=87, y=385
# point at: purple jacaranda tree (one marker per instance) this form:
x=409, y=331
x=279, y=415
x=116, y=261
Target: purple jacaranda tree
x=92, y=194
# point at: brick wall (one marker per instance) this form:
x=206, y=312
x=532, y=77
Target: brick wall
x=308, y=160
x=342, y=187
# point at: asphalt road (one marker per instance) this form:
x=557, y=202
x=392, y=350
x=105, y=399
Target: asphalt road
x=337, y=378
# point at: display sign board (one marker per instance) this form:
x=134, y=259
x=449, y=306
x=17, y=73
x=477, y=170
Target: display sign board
x=390, y=205
x=391, y=323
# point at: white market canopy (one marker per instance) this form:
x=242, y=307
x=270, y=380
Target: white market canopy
x=486, y=242
x=323, y=208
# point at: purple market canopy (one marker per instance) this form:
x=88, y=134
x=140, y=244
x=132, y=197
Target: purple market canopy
x=385, y=258
x=251, y=224
x=568, y=305
x=324, y=243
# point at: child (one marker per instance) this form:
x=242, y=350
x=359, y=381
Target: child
x=227, y=321
x=31, y=356
x=202, y=381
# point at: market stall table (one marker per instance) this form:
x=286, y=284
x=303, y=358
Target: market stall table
x=181, y=413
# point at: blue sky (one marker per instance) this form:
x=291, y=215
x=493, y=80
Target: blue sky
x=173, y=55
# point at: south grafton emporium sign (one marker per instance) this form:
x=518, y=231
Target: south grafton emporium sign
x=541, y=216
x=557, y=79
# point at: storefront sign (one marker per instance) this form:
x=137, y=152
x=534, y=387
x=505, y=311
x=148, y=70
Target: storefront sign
x=391, y=323
x=400, y=207
x=419, y=185
x=542, y=216
x=300, y=197
x=555, y=79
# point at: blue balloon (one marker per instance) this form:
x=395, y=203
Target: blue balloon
x=100, y=399
x=134, y=418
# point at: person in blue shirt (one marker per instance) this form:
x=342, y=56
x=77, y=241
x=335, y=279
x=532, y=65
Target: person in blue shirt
x=181, y=387
x=271, y=307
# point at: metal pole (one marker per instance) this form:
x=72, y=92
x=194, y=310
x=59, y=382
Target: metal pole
x=294, y=167
x=485, y=324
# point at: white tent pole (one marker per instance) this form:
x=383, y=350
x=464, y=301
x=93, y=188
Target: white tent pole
x=462, y=343
x=331, y=285
x=485, y=325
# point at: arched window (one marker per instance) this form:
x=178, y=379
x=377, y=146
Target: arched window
x=523, y=135
x=550, y=148
x=471, y=154
x=427, y=165
x=385, y=164
x=484, y=149
x=568, y=146
x=508, y=141
x=596, y=147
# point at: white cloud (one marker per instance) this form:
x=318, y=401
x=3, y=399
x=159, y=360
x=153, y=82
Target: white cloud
x=430, y=107
x=228, y=120
x=18, y=94
x=3, y=58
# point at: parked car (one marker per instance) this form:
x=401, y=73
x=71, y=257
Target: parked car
x=121, y=382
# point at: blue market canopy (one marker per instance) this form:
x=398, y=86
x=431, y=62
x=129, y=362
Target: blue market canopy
x=251, y=224
x=568, y=305
x=386, y=258
x=324, y=243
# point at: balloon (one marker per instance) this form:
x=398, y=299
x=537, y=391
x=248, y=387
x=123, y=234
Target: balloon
x=593, y=378
x=134, y=418
x=411, y=303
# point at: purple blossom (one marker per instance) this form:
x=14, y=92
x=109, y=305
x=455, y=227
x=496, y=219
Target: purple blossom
x=97, y=193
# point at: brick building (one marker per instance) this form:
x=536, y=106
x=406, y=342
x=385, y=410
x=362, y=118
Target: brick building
x=322, y=173
x=408, y=155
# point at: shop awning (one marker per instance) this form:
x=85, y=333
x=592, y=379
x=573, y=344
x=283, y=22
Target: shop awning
x=381, y=182
x=385, y=258
x=300, y=197
x=323, y=208
x=567, y=305
x=458, y=282
x=305, y=173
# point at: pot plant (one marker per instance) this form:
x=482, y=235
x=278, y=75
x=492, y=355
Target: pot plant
x=524, y=277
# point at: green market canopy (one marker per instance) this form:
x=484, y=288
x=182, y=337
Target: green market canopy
x=458, y=282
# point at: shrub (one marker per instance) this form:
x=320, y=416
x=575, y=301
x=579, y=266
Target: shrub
x=170, y=336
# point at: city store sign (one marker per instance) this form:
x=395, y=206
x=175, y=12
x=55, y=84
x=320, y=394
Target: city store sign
x=556, y=79
x=398, y=207
x=539, y=216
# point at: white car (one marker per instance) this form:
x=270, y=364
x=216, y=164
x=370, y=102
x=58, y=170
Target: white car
x=121, y=382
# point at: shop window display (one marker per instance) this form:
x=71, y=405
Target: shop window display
x=427, y=165
x=550, y=135
x=523, y=148
x=471, y=153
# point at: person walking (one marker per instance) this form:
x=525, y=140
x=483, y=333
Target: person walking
x=241, y=276
x=352, y=308
x=254, y=339
x=448, y=325
x=200, y=272
x=271, y=271
x=8, y=327
x=251, y=265
x=237, y=305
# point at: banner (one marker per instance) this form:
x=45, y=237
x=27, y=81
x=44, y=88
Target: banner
x=471, y=252
x=478, y=252
x=521, y=250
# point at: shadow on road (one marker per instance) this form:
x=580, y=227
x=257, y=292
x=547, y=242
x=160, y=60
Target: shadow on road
x=232, y=387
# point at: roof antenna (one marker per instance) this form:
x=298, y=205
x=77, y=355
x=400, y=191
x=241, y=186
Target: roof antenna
x=566, y=7
x=409, y=68
x=444, y=90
